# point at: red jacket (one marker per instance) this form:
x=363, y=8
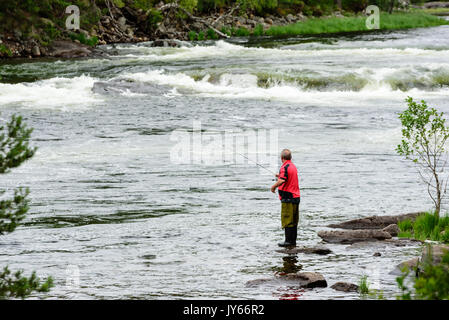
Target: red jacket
x=289, y=190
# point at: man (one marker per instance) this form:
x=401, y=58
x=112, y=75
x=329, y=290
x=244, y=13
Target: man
x=289, y=196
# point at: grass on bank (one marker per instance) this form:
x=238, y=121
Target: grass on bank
x=394, y=21
x=426, y=227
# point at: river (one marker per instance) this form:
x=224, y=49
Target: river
x=112, y=208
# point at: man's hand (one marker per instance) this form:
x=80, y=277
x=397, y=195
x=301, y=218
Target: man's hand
x=277, y=184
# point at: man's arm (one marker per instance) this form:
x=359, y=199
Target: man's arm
x=277, y=184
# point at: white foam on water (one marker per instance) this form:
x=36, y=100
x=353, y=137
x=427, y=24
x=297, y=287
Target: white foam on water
x=55, y=93
x=244, y=86
x=225, y=49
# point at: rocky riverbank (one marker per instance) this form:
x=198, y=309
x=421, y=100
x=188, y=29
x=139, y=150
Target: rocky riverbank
x=128, y=25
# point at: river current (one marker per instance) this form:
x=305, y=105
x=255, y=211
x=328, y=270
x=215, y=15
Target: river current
x=113, y=214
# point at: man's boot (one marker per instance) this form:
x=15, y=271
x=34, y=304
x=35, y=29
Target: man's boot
x=294, y=235
x=290, y=237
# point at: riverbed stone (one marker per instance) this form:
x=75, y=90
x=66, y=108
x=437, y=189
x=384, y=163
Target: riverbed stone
x=352, y=236
x=392, y=229
x=321, y=250
x=35, y=51
x=345, y=287
x=307, y=279
x=301, y=279
x=374, y=222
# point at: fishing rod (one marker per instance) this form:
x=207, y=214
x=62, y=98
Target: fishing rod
x=258, y=164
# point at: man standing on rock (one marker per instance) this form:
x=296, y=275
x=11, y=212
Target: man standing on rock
x=289, y=196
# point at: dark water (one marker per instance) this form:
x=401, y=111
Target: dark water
x=109, y=202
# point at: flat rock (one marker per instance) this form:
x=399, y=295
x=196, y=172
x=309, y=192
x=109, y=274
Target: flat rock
x=311, y=250
x=302, y=279
x=345, y=287
x=352, y=236
x=374, y=222
x=392, y=229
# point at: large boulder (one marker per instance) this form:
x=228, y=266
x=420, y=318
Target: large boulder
x=374, y=222
x=69, y=49
x=352, y=236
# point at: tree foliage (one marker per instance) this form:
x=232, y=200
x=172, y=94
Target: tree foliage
x=17, y=286
x=424, y=137
x=14, y=150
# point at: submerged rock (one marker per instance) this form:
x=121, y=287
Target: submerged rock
x=374, y=222
x=352, y=236
x=306, y=279
x=167, y=43
x=302, y=279
x=312, y=250
x=345, y=287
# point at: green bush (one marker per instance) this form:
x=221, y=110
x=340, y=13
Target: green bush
x=242, y=32
x=5, y=50
x=154, y=17
x=210, y=33
x=426, y=226
x=201, y=36
x=432, y=283
x=258, y=30
x=83, y=39
x=193, y=35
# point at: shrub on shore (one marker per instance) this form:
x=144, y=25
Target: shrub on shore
x=356, y=23
x=432, y=283
x=426, y=226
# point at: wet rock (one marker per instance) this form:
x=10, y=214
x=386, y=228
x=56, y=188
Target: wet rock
x=345, y=287
x=352, y=236
x=301, y=279
x=306, y=279
x=434, y=253
x=374, y=222
x=377, y=254
x=35, y=51
x=410, y=264
x=392, y=229
x=68, y=49
x=312, y=250
x=257, y=282
x=166, y=43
